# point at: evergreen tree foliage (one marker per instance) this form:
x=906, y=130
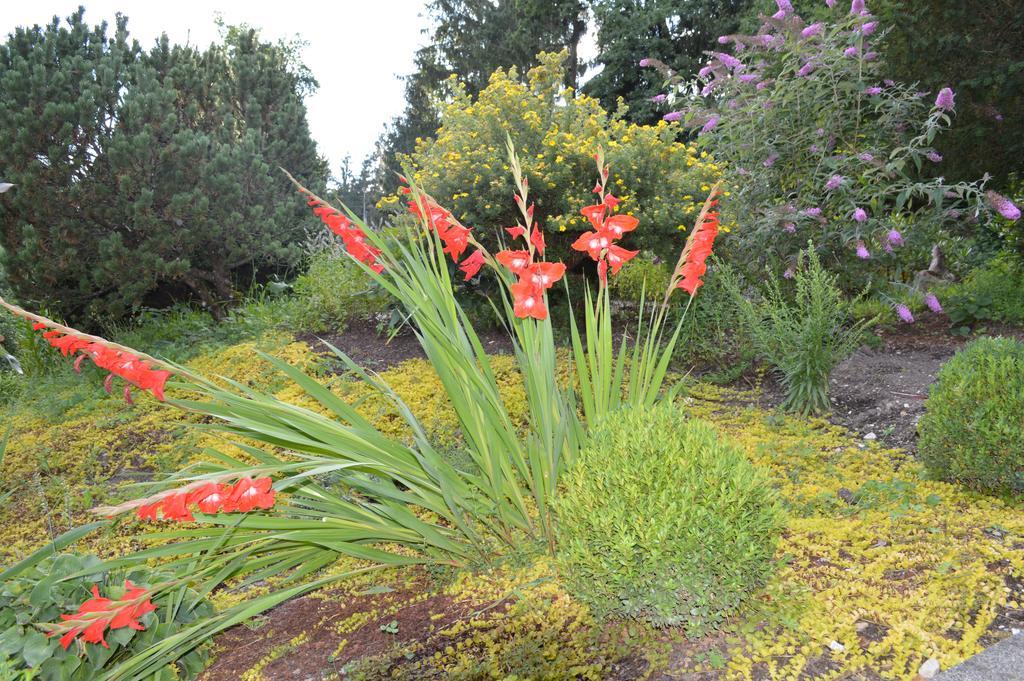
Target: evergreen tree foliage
x=143, y=177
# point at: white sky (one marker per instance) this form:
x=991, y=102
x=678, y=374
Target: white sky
x=356, y=50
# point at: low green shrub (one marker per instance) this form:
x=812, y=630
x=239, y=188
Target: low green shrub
x=55, y=586
x=803, y=334
x=989, y=293
x=333, y=292
x=640, y=535
x=971, y=432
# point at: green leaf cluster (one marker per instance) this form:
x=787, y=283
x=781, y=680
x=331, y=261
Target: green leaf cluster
x=974, y=419
x=664, y=520
x=50, y=584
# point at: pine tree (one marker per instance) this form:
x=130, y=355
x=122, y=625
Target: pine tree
x=147, y=177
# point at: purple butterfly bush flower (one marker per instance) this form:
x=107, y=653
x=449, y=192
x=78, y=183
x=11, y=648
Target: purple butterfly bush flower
x=672, y=116
x=724, y=39
x=862, y=251
x=762, y=85
x=830, y=3
x=894, y=237
x=790, y=227
x=770, y=161
x=870, y=56
x=834, y=182
x=815, y=149
x=860, y=215
x=806, y=70
x=645, y=62
x=812, y=30
x=660, y=98
x=710, y=125
x=857, y=7
x=889, y=82
x=1003, y=205
x=934, y=156
x=704, y=72
x=730, y=61
x=933, y=303
x=789, y=273
x=874, y=90
x=866, y=157
x=887, y=247
x=733, y=104
x=707, y=89
x=850, y=51
x=869, y=28
x=946, y=99
x=904, y=313
x=749, y=77
x=814, y=212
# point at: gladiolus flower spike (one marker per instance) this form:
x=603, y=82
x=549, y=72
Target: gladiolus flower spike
x=98, y=614
x=608, y=228
x=206, y=496
x=139, y=370
x=692, y=262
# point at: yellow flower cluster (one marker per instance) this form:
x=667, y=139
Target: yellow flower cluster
x=556, y=132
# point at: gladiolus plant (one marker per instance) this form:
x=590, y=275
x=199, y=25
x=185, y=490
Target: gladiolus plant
x=399, y=502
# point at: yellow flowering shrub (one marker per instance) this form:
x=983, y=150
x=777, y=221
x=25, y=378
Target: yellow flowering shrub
x=556, y=131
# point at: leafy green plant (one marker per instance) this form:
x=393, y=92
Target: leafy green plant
x=971, y=429
x=334, y=291
x=988, y=293
x=58, y=585
x=803, y=335
x=639, y=534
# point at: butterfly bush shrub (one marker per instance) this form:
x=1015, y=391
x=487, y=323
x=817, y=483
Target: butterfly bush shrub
x=820, y=145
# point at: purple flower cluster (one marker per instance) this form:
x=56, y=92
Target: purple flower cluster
x=933, y=303
x=934, y=156
x=945, y=99
x=659, y=98
x=834, y=182
x=1003, y=205
x=904, y=313
x=862, y=251
x=894, y=238
x=672, y=116
x=812, y=30
x=860, y=215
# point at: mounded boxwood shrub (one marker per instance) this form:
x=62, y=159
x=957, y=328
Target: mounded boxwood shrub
x=662, y=519
x=972, y=431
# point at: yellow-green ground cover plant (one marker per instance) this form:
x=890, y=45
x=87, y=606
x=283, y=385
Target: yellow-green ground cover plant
x=972, y=429
x=334, y=484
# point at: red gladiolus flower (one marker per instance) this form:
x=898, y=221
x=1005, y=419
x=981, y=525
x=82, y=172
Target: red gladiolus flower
x=544, y=275
x=456, y=239
x=537, y=239
x=593, y=243
x=471, y=265
x=620, y=224
x=98, y=614
x=516, y=261
x=248, y=494
x=595, y=214
x=617, y=256
x=528, y=300
x=516, y=231
x=610, y=201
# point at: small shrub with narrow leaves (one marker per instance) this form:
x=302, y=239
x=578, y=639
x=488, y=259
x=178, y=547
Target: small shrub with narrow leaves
x=803, y=334
x=641, y=537
x=972, y=431
x=333, y=292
